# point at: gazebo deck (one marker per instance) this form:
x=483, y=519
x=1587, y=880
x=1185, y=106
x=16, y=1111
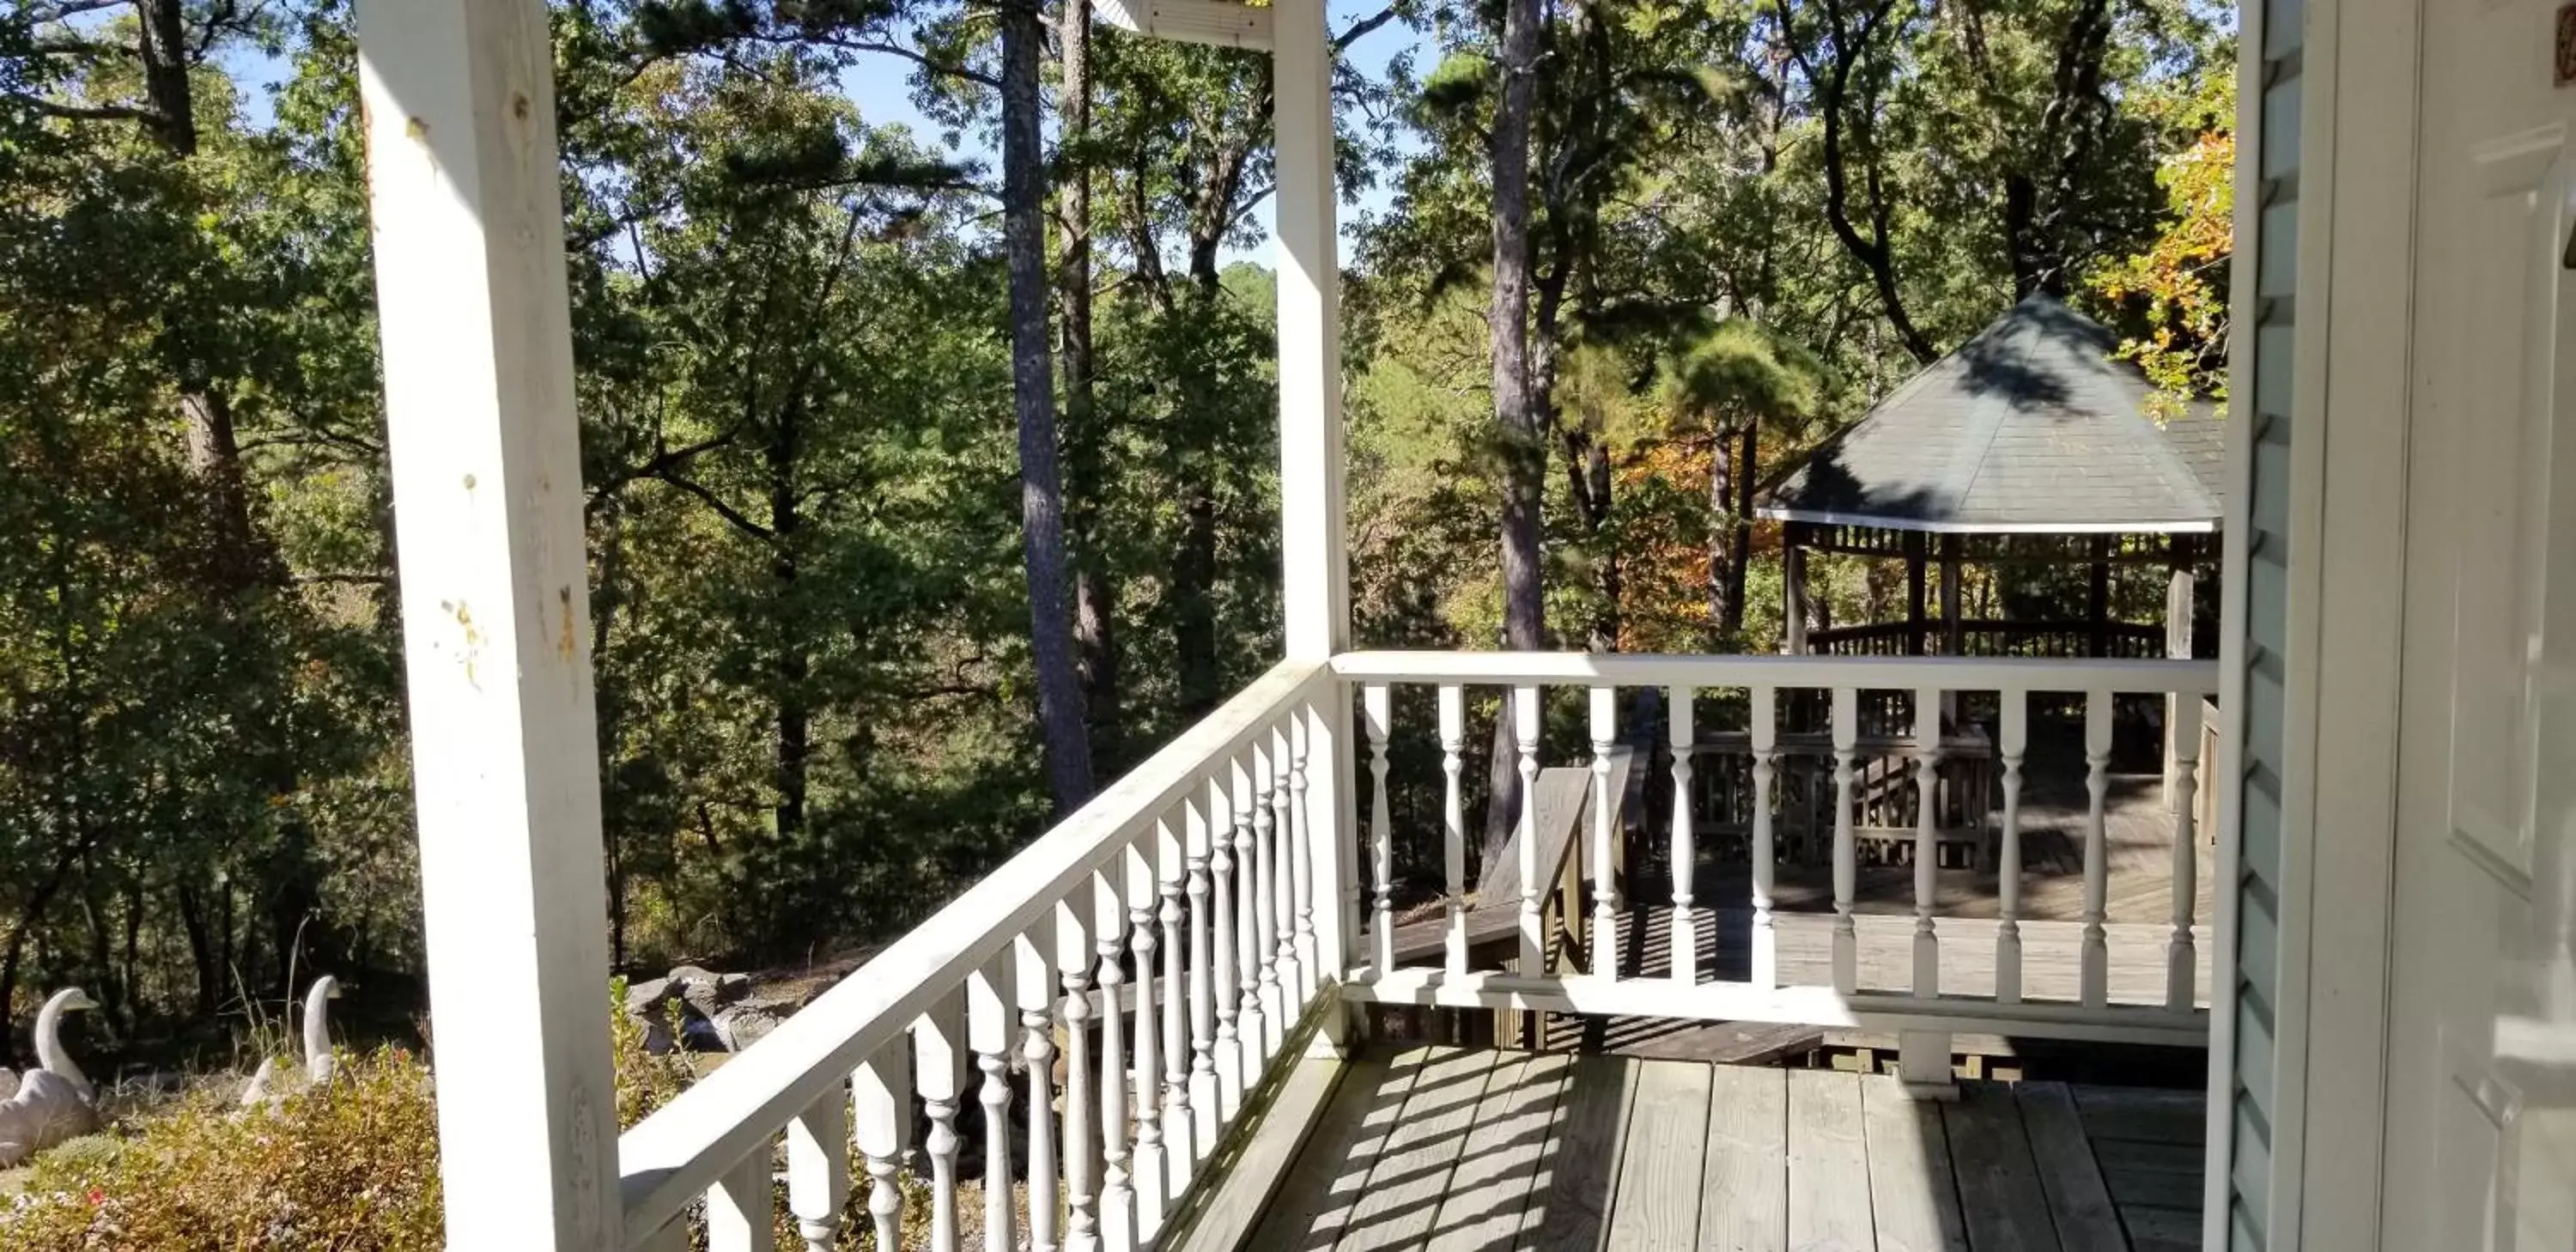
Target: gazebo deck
x=1472, y=1150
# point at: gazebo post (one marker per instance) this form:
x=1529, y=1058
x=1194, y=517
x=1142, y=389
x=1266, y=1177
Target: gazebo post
x=1954, y=634
x=1914, y=561
x=1793, y=579
x=2100, y=607
x=2178, y=710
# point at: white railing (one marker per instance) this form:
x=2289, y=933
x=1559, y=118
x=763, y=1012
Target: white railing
x=1178, y=929
x=1185, y=896
x=1993, y=999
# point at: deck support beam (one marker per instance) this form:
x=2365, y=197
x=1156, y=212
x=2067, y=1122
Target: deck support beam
x=467, y=211
x=1315, y=566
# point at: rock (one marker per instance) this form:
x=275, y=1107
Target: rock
x=643, y=998
x=742, y=1025
x=708, y=992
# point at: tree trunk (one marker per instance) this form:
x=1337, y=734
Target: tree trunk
x=1194, y=597
x=1720, y=549
x=1060, y=709
x=1095, y=598
x=794, y=749
x=1523, y=438
x=1739, y=530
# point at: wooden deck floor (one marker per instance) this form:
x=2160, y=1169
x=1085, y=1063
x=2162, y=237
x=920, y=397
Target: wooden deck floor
x=1483, y=1151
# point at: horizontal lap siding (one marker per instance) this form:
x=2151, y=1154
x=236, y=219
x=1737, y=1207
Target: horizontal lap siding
x=2266, y=581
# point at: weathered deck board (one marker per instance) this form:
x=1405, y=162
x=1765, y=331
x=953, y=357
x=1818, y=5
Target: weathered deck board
x=1499, y=1152
x=1656, y=1206
x=1748, y=1120
x=2077, y=1199
x=1413, y=1169
x=1914, y=1199
x=1999, y=1191
x=1502, y=1162
x=1828, y=1162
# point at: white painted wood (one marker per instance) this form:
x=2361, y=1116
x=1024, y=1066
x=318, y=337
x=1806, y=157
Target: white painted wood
x=1035, y=984
x=1525, y=731
x=1080, y=1161
x=1639, y=669
x=1314, y=564
x=1148, y=1172
x=1375, y=710
x=1205, y=1089
x=1268, y=936
x=1297, y=840
x=992, y=1018
x=1224, y=936
x=674, y=1155
x=818, y=1169
x=739, y=1208
x=1332, y=845
x=1117, y=1185
x=2182, y=959
x=1846, y=714
x=1604, y=713
x=1251, y=954
x=2477, y=1010
x=2013, y=741
x=1179, y=1129
x=1813, y=1005
x=939, y=1078
x=1766, y=857
x=1685, y=854
x=1927, y=826
x=881, y=1115
x=1222, y=23
x=2097, y=866
x=1453, y=742
x=467, y=214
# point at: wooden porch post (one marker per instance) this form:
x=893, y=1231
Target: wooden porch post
x=1315, y=567
x=1954, y=635
x=2181, y=715
x=469, y=257
x=2099, y=597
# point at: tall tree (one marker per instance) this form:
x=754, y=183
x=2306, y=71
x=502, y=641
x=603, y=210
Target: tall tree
x=1060, y=706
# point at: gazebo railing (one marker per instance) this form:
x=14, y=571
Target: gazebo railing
x=1990, y=638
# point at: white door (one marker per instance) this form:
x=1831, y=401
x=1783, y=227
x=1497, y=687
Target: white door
x=2480, y=1150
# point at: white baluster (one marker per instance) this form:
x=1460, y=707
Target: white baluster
x=1453, y=742
x=1179, y=1131
x=992, y=1012
x=1846, y=852
x=1283, y=881
x=1605, y=809
x=1927, y=839
x=1267, y=935
x=1227, y=1053
x=1081, y=1147
x=1685, y=853
x=2096, y=974
x=939, y=1075
x=1525, y=730
x=1250, y=890
x=818, y=1168
x=1375, y=710
x=881, y=1105
x=739, y=1207
x=1205, y=1089
x=1117, y=1189
x=1034, y=985
x=1297, y=843
x=2015, y=740
x=1766, y=857
x=1147, y=1171
x=2182, y=962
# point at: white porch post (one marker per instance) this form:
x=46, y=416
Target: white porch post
x=1315, y=571
x=470, y=286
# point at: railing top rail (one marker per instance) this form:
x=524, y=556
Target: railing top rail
x=681, y=1150
x=1630, y=669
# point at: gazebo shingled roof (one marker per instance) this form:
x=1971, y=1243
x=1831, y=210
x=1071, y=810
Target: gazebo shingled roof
x=2033, y=426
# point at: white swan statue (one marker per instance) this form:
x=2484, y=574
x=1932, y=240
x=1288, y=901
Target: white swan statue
x=52, y=1103
x=318, y=1061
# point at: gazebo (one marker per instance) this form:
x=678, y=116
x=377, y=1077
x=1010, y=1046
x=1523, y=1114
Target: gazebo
x=2033, y=443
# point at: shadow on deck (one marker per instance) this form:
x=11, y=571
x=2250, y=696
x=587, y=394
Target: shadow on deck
x=1474, y=1150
